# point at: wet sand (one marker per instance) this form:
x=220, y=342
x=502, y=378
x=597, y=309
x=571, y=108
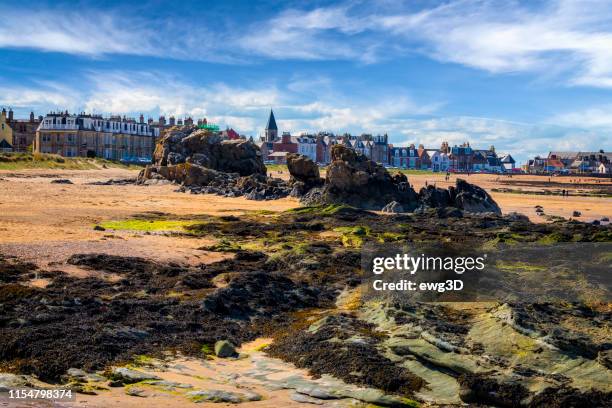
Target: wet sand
x=46, y=223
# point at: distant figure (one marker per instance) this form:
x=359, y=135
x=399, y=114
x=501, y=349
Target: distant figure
x=425, y=183
x=563, y=192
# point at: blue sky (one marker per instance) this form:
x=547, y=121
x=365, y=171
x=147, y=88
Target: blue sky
x=527, y=77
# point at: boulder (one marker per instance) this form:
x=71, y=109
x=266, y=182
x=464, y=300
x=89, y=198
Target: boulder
x=224, y=349
x=434, y=197
x=303, y=170
x=471, y=198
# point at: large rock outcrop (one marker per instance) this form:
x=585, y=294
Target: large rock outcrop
x=355, y=180
x=205, y=148
x=202, y=162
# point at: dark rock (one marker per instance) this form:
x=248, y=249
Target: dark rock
x=99, y=228
x=61, y=181
x=576, y=214
x=203, y=163
x=434, y=197
x=224, y=349
x=478, y=388
x=355, y=180
x=302, y=169
x=472, y=198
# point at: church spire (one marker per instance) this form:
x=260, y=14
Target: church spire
x=271, y=122
x=271, y=131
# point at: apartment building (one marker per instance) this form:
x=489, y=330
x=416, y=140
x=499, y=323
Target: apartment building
x=84, y=135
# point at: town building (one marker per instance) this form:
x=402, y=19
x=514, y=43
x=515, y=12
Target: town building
x=307, y=146
x=85, y=135
x=6, y=133
x=508, y=162
x=24, y=131
x=461, y=158
x=318, y=146
x=569, y=162
x=439, y=160
x=604, y=168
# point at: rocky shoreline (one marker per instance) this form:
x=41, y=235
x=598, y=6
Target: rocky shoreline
x=299, y=262
x=201, y=162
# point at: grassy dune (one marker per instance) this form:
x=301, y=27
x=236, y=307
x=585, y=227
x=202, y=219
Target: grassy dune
x=20, y=161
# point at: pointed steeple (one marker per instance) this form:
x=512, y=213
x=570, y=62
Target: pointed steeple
x=271, y=132
x=271, y=122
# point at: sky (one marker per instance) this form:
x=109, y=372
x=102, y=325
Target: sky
x=527, y=77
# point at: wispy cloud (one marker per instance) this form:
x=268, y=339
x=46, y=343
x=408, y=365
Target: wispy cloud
x=574, y=36
x=570, y=39
x=596, y=117
x=74, y=32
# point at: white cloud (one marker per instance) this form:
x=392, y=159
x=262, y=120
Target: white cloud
x=597, y=117
x=568, y=38
x=74, y=32
x=43, y=96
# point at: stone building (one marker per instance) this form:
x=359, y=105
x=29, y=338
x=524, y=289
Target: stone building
x=6, y=133
x=24, y=131
x=85, y=135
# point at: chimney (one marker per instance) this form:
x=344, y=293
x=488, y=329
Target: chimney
x=31, y=116
x=10, y=116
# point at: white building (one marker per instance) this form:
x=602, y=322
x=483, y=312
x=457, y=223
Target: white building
x=439, y=161
x=307, y=146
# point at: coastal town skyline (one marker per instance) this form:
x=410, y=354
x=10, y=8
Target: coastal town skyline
x=325, y=66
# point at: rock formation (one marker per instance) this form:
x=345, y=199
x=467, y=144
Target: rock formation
x=203, y=163
x=304, y=174
x=205, y=148
x=355, y=180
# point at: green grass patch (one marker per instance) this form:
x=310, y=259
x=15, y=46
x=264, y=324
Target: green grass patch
x=146, y=225
x=412, y=171
x=330, y=209
x=602, y=236
x=143, y=360
x=518, y=267
x=21, y=161
x=353, y=237
x=224, y=245
x=277, y=167
x=390, y=237
x=552, y=238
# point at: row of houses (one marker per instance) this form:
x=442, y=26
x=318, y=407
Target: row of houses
x=86, y=135
x=571, y=163
x=317, y=147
